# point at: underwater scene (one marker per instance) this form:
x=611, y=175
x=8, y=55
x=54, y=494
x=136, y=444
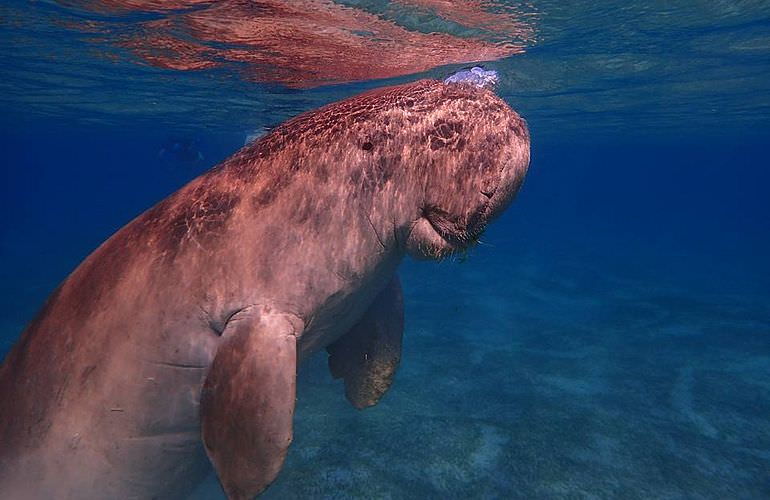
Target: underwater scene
x=510, y=249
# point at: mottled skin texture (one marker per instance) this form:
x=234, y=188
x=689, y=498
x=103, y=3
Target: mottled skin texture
x=175, y=344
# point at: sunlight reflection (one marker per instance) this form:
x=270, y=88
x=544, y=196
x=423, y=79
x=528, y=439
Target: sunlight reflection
x=308, y=43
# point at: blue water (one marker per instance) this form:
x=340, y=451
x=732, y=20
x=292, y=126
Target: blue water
x=609, y=337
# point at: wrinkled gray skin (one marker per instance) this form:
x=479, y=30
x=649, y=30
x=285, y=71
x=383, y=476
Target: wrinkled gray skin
x=174, y=346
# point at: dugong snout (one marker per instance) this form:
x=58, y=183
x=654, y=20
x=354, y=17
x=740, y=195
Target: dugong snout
x=500, y=187
x=479, y=148
x=515, y=163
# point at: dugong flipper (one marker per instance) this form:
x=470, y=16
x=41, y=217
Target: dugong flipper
x=247, y=401
x=368, y=355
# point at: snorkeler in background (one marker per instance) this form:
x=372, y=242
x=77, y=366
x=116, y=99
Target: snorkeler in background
x=181, y=150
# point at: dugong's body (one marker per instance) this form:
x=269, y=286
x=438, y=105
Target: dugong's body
x=174, y=346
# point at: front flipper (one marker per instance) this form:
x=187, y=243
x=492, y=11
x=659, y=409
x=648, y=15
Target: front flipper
x=368, y=355
x=247, y=403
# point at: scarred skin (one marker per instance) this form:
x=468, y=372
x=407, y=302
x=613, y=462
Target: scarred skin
x=174, y=346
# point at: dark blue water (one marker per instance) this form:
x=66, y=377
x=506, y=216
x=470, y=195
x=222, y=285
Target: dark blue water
x=610, y=336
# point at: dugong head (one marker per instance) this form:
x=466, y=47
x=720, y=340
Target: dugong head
x=429, y=164
x=476, y=154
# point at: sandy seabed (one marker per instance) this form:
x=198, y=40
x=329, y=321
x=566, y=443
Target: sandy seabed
x=533, y=377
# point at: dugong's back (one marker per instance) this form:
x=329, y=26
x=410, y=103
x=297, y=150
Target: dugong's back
x=116, y=358
x=69, y=361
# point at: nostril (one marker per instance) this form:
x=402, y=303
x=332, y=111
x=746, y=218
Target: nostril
x=488, y=186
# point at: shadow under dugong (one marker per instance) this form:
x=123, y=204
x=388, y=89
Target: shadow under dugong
x=175, y=345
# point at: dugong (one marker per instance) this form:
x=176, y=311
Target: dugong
x=174, y=346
